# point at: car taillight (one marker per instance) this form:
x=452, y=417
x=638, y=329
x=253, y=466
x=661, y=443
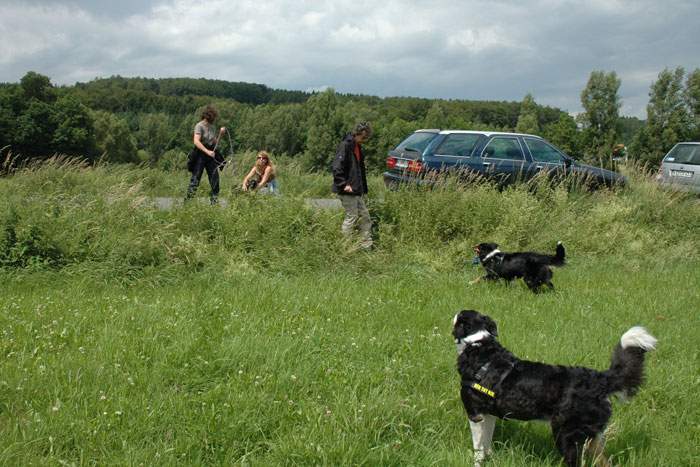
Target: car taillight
x=414, y=166
x=390, y=163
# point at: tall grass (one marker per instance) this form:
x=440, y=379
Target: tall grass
x=63, y=213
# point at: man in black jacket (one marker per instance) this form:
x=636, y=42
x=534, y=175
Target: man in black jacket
x=350, y=183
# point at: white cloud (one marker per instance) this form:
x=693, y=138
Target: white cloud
x=480, y=40
x=443, y=48
x=32, y=30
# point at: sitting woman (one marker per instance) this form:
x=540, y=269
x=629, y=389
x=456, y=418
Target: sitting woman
x=262, y=177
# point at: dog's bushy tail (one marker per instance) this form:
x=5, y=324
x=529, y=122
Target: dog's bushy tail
x=626, y=372
x=559, y=258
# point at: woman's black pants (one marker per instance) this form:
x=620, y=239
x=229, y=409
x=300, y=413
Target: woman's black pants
x=203, y=162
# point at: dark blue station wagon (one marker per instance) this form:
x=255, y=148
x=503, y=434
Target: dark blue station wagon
x=497, y=156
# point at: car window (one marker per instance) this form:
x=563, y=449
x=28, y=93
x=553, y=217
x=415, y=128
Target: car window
x=503, y=148
x=684, y=154
x=543, y=152
x=458, y=144
x=417, y=141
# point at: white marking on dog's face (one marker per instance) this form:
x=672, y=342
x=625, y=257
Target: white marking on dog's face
x=491, y=255
x=470, y=340
x=454, y=320
x=477, y=336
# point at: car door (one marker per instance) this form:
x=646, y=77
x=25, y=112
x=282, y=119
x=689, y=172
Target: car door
x=454, y=152
x=503, y=159
x=545, y=158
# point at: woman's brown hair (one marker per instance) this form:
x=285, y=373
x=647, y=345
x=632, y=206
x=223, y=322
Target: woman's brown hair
x=210, y=113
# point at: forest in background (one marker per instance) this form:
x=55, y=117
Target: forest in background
x=150, y=121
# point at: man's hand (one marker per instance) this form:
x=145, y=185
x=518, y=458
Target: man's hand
x=222, y=131
x=347, y=189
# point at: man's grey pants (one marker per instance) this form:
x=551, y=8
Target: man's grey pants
x=356, y=213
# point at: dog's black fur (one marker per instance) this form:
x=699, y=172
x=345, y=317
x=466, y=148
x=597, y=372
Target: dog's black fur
x=574, y=400
x=534, y=268
x=252, y=184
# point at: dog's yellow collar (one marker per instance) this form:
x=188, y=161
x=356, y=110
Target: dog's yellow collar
x=483, y=389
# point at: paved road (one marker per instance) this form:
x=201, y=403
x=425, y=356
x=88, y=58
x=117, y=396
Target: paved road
x=166, y=204
x=323, y=203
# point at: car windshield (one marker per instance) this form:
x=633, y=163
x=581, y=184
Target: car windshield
x=684, y=154
x=418, y=141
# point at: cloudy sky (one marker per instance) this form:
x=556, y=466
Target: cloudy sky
x=453, y=49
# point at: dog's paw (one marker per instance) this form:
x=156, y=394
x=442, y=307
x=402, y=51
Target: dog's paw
x=479, y=458
x=474, y=281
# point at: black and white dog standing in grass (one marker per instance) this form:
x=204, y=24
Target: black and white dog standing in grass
x=534, y=268
x=574, y=400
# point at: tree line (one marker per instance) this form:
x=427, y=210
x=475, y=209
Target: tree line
x=142, y=120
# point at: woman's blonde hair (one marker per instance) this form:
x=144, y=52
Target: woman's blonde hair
x=268, y=160
x=263, y=154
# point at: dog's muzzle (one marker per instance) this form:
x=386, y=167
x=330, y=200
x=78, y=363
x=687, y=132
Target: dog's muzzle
x=472, y=340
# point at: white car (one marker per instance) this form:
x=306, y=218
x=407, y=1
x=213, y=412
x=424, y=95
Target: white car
x=680, y=168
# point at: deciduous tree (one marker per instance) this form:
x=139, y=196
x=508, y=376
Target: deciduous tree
x=668, y=118
x=113, y=138
x=565, y=135
x=324, y=130
x=692, y=95
x=37, y=86
x=74, y=133
x=528, y=121
x=601, y=110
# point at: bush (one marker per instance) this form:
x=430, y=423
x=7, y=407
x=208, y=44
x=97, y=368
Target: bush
x=172, y=160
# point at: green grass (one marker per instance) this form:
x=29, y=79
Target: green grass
x=249, y=335
x=318, y=368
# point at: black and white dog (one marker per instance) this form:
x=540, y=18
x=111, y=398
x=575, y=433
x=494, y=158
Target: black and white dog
x=534, y=268
x=574, y=400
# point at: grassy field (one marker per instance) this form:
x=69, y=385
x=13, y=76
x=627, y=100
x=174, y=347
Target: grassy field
x=249, y=335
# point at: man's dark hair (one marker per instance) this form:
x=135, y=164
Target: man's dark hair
x=210, y=113
x=362, y=127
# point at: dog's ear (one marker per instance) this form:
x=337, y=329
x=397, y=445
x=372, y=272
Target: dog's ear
x=490, y=325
